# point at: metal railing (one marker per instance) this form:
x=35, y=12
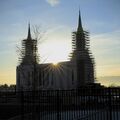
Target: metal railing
x=79, y=104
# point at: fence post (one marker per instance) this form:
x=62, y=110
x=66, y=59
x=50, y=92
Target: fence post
x=110, y=103
x=33, y=104
x=58, y=106
x=22, y=105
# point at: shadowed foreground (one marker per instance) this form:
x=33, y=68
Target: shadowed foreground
x=80, y=104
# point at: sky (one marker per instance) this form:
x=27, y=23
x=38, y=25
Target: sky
x=57, y=20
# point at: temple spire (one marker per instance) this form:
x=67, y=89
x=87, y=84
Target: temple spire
x=29, y=33
x=79, y=21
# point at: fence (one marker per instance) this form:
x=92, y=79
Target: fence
x=79, y=104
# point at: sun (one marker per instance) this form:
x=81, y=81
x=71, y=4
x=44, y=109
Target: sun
x=55, y=63
x=53, y=51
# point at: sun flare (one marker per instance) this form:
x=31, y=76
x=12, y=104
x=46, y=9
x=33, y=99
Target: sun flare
x=55, y=63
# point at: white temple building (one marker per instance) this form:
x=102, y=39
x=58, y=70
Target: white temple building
x=72, y=74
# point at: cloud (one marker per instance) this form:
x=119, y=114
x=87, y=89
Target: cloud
x=109, y=80
x=106, y=42
x=53, y=2
x=105, y=48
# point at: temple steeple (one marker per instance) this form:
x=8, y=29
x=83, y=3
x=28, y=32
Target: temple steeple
x=79, y=22
x=29, y=33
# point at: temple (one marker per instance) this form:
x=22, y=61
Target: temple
x=72, y=74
